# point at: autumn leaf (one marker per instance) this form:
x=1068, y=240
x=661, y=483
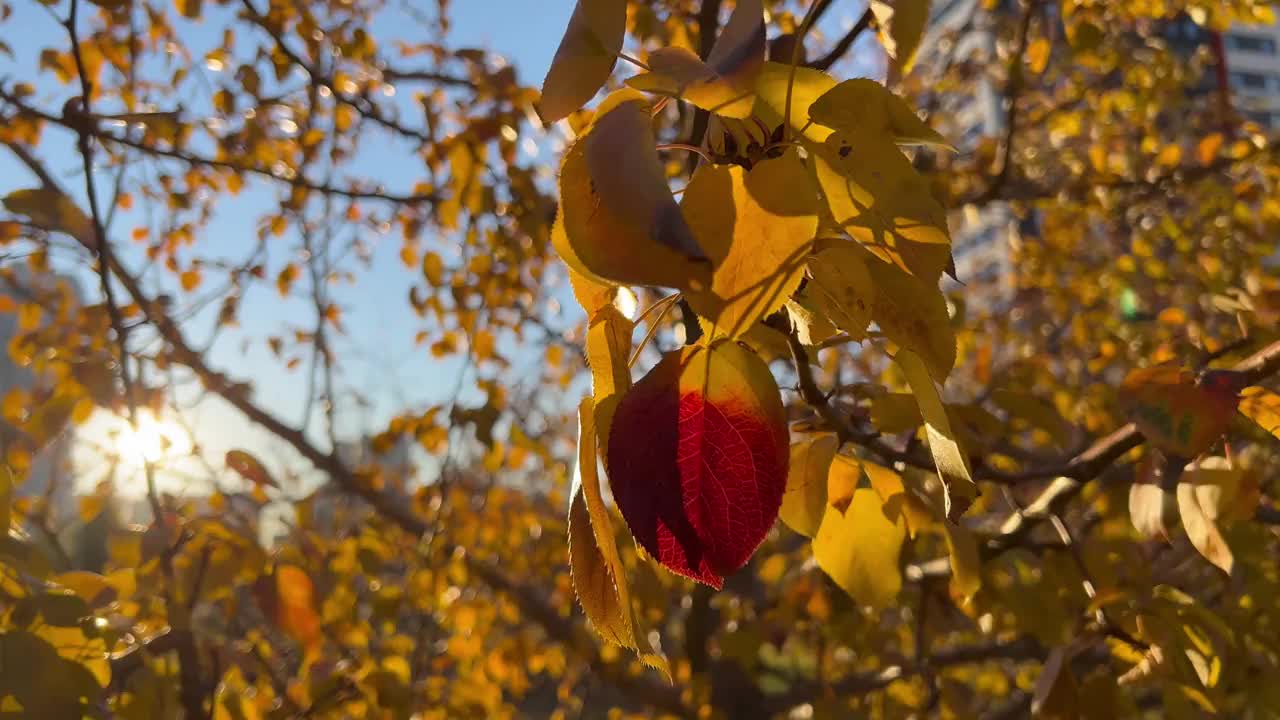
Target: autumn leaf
x=859, y=549
x=874, y=194
x=624, y=227
x=51, y=210
x=807, y=85
x=599, y=578
x=724, y=84
x=805, y=500
x=608, y=356
x=287, y=597
x=1203, y=497
x=1178, y=412
x=841, y=288
x=953, y=467
x=863, y=108
x=913, y=315
x=900, y=26
x=698, y=459
x=585, y=58
x=757, y=230
x=250, y=468
x=1150, y=502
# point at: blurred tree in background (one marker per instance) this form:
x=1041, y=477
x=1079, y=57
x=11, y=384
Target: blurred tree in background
x=1002, y=496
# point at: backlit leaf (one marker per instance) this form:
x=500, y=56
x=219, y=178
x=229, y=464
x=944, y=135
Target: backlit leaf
x=841, y=288
x=876, y=196
x=771, y=97
x=51, y=210
x=1175, y=411
x=864, y=108
x=625, y=226
x=1262, y=406
x=287, y=597
x=585, y=58
x=725, y=83
x=757, y=227
x=953, y=466
x=599, y=578
x=250, y=468
x=608, y=353
x=900, y=25
x=913, y=315
x=1150, y=504
x=805, y=500
x=859, y=549
x=698, y=459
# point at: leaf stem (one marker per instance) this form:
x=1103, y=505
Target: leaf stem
x=634, y=61
x=686, y=146
x=667, y=303
x=795, y=60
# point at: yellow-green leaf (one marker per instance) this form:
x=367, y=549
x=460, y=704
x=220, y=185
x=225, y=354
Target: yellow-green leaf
x=805, y=500
x=859, y=549
x=953, y=467
x=757, y=227
x=913, y=315
x=585, y=58
x=624, y=227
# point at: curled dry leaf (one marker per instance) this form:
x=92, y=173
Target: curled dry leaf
x=620, y=222
x=757, y=230
x=585, y=58
x=599, y=578
x=698, y=459
x=724, y=84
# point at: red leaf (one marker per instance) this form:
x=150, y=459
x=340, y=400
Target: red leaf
x=698, y=459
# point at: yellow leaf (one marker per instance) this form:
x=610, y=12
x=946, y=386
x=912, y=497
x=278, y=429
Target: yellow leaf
x=724, y=84
x=1200, y=499
x=624, y=227
x=1149, y=506
x=757, y=227
x=812, y=327
x=953, y=467
x=843, y=478
x=913, y=315
x=895, y=413
x=585, y=58
x=771, y=97
x=878, y=198
x=1056, y=693
x=591, y=294
x=608, y=353
x=250, y=468
x=805, y=499
x=841, y=288
x=599, y=579
x=1038, y=54
x=1262, y=406
x=51, y=210
x=864, y=108
x=433, y=268
x=1207, y=149
x=484, y=344
x=90, y=507
x=190, y=279
x=900, y=26
x=859, y=549
x=966, y=562
x=6, y=496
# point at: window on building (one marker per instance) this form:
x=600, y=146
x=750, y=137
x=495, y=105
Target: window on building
x=1248, y=81
x=1252, y=43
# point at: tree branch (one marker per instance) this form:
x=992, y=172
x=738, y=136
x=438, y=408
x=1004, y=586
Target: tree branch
x=842, y=46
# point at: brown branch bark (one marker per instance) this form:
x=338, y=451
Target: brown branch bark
x=845, y=43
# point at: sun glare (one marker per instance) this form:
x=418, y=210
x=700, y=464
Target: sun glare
x=152, y=441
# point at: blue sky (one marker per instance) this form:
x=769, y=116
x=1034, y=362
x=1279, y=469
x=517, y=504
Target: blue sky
x=378, y=355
